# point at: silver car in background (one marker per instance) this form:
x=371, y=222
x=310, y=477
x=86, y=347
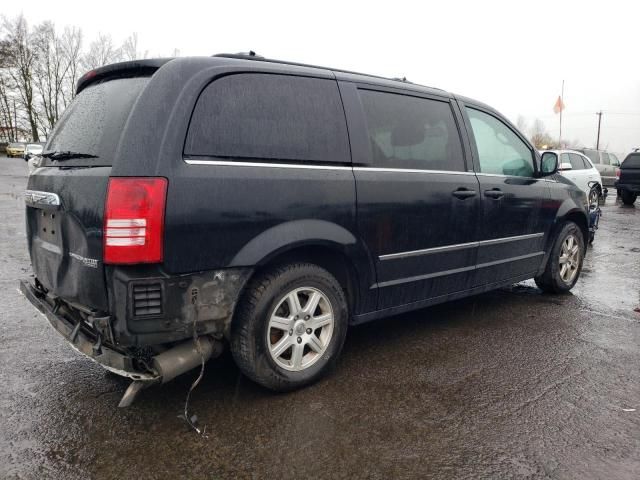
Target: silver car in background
x=605, y=162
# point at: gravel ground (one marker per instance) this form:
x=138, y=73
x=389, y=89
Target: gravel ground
x=510, y=384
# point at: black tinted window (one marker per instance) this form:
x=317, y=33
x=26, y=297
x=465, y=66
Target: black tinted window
x=632, y=161
x=263, y=116
x=94, y=121
x=411, y=132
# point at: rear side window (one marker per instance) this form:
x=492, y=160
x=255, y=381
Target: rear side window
x=605, y=158
x=411, y=132
x=273, y=117
x=587, y=162
x=95, y=120
x=576, y=161
x=500, y=150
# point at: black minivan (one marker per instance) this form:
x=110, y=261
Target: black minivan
x=181, y=204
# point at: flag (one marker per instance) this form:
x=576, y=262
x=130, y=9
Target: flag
x=559, y=106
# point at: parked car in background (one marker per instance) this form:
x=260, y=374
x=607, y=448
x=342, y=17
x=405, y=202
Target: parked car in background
x=276, y=204
x=628, y=184
x=605, y=162
x=15, y=149
x=32, y=149
x=578, y=168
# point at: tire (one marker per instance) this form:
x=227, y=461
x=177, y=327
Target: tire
x=628, y=198
x=554, y=279
x=593, y=197
x=257, y=345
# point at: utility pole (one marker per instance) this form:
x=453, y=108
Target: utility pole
x=561, y=108
x=15, y=122
x=599, y=121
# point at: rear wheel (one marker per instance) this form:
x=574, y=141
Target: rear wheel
x=628, y=198
x=565, y=261
x=290, y=326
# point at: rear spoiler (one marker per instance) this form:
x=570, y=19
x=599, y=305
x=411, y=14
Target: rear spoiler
x=122, y=69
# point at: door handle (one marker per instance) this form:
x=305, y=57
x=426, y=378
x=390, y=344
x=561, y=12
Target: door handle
x=494, y=193
x=463, y=193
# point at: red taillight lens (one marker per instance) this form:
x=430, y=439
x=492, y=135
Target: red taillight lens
x=134, y=220
x=617, y=172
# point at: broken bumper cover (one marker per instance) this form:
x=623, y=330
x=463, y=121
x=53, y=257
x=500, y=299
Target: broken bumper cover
x=82, y=339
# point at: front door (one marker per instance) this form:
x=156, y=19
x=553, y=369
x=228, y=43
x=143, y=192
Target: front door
x=418, y=203
x=513, y=223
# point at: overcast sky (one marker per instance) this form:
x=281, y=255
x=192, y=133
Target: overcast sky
x=512, y=55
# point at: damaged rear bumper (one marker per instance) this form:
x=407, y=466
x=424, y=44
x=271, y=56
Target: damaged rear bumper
x=85, y=338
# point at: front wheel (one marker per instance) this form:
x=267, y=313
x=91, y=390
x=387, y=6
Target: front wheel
x=289, y=326
x=565, y=261
x=594, y=196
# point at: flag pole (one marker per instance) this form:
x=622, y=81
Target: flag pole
x=561, y=108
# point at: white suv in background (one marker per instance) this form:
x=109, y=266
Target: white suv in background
x=578, y=168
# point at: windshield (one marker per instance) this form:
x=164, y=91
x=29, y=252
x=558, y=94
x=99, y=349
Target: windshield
x=94, y=121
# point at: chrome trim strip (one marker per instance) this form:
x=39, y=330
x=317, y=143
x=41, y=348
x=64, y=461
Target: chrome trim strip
x=442, y=273
x=428, y=251
x=399, y=281
x=227, y=163
x=459, y=246
x=231, y=163
x=507, y=260
x=410, y=170
x=515, y=238
x=35, y=198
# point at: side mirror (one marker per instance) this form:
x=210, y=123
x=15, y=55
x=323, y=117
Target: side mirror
x=548, y=164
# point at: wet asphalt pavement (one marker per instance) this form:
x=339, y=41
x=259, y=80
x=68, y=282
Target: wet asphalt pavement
x=510, y=384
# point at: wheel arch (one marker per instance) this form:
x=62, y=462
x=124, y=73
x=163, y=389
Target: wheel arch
x=322, y=243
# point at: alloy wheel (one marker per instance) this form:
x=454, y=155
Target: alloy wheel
x=300, y=328
x=569, y=259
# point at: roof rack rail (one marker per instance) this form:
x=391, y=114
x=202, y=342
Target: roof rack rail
x=252, y=56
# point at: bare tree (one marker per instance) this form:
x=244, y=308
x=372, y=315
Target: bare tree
x=50, y=70
x=130, y=50
x=540, y=137
x=72, y=51
x=19, y=56
x=101, y=52
x=522, y=124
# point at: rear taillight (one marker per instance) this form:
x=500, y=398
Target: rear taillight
x=617, y=172
x=134, y=220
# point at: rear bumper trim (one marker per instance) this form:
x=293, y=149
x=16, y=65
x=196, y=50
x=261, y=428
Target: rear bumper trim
x=108, y=358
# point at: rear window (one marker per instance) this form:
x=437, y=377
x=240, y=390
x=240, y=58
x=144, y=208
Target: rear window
x=94, y=121
x=576, y=161
x=632, y=161
x=269, y=117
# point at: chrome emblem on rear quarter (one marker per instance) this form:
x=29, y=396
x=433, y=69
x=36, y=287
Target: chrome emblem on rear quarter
x=87, y=262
